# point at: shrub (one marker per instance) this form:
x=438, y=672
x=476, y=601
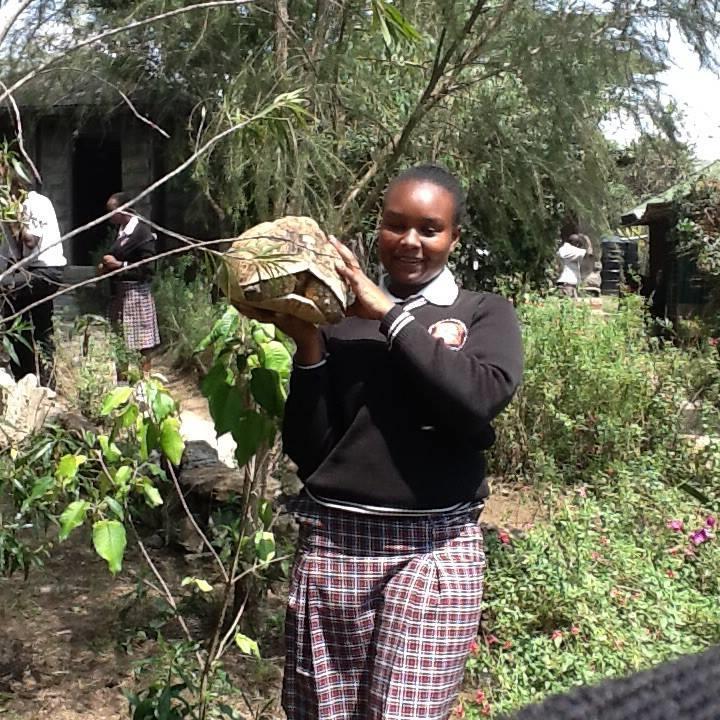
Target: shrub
x=611, y=584
x=598, y=391
x=185, y=309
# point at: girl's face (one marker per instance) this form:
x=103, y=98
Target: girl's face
x=417, y=233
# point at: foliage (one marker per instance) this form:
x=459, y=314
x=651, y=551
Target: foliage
x=86, y=362
x=509, y=95
x=598, y=392
x=247, y=385
x=622, y=576
x=183, y=293
x=67, y=479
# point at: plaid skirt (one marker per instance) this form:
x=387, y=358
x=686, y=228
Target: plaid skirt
x=381, y=614
x=132, y=309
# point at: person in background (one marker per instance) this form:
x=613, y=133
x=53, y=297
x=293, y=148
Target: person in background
x=388, y=419
x=571, y=254
x=36, y=244
x=132, y=306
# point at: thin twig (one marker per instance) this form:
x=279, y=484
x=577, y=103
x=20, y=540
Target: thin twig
x=194, y=523
x=115, y=31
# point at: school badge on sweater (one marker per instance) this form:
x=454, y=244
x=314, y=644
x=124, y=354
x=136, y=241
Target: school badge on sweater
x=452, y=332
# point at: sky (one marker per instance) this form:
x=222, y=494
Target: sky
x=697, y=93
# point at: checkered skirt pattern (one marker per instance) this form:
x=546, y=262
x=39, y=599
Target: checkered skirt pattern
x=381, y=615
x=133, y=309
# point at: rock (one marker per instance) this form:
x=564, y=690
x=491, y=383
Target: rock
x=24, y=407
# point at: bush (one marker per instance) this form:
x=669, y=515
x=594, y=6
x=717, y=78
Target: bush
x=597, y=392
x=611, y=584
x=185, y=309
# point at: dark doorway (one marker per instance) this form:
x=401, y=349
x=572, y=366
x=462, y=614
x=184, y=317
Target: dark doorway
x=97, y=174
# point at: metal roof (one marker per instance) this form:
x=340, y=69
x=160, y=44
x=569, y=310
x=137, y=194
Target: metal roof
x=660, y=206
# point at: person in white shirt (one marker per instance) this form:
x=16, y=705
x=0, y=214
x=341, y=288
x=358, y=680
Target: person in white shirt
x=36, y=249
x=571, y=254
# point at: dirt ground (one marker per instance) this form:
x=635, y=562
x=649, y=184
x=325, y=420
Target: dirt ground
x=71, y=631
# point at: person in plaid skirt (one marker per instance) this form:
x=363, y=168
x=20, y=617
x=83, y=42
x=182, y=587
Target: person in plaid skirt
x=132, y=306
x=388, y=419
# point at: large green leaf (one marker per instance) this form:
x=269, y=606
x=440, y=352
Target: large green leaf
x=68, y=466
x=111, y=452
x=123, y=475
x=275, y=356
x=249, y=432
x=224, y=329
x=119, y=396
x=109, y=541
x=162, y=406
x=73, y=516
x=171, y=441
x=226, y=409
x=152, y=494
x=264, y=546
x=267, y=390
x=247, y=645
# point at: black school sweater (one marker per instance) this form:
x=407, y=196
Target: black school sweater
x=396, y=417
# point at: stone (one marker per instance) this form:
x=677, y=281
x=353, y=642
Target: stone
x=24, y=407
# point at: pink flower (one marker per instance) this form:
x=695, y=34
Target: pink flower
x=670, y=573
x=485, y=710
x=582, y=491
x=595, y=555
x=714, y=341
x=676, y=525
x=507, y=644
x=479, y=697
x=504, y=537
x=459, y=710
x=474, y=647
x=710, y=521
x=700, y=536
x=575, y=630
x=491, y=640
x=556, y=634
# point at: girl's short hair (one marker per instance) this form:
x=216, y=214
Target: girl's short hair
x=439, y=176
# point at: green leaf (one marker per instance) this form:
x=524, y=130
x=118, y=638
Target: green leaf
x=109, y=541
x=223, y=329
x=275, y=356
x=249, y=432
x=247, y=645
x=199, y=583
x=115, y=506
x=123, y=475
x=264, y=546
x=111, y=452
x=266, y=388
x=152, y=494
x=162, y=406
x=68, y=466
x=129, y=416
x=214, y=381
x=265, y=513
x=119, y=396
x=73, y=516
x=226, y=409
x=171, y=440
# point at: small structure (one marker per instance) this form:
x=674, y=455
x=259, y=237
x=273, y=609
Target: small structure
x=672, y=280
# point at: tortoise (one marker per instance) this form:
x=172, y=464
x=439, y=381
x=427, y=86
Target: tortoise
x=287, y=266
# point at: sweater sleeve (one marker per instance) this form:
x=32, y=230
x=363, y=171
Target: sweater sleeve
x=464, y=390
x=308, y=433
x=139, y=246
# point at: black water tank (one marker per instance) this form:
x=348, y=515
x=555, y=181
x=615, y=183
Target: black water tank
x=613, y=262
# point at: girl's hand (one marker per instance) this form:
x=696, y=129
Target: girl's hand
x=110, y=263
x=371, y=302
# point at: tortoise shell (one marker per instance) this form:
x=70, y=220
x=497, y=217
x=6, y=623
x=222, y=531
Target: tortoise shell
x=287, y=266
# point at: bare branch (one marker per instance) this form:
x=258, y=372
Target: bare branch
x=9, y=13
x=115, y=31
x=191, y=517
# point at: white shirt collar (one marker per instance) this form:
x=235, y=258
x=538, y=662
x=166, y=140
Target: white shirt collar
x=129, y=227
x=442, y=290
